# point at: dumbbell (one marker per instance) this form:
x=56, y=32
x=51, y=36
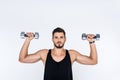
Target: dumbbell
x=84, y=36
x=23, y=35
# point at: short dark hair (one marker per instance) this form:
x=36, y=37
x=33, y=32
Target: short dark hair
x=58, y=29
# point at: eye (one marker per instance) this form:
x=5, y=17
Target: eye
x=56, y=37
x=61, y=37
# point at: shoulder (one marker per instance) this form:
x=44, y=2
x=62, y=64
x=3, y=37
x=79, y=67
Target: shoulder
x=73, y=54
x=43, y=52
x=72, y=51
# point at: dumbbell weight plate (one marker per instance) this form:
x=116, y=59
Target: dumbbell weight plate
x=36, y=35
x=84, y=36
x=97, y=36
x=22, y=35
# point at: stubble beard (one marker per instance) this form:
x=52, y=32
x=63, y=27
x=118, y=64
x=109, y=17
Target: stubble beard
x=59, y=47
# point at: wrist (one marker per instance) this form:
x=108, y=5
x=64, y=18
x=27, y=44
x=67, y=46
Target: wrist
x=27, y=40
x=91, y=42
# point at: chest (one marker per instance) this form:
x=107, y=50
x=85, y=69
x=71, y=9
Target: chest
x=58, y=58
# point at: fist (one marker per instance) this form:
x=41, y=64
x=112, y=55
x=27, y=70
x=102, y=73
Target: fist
x=90, y=37
x=29, y=35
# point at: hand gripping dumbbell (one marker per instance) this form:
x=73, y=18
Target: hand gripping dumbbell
x=23, y=35
x=84, y=36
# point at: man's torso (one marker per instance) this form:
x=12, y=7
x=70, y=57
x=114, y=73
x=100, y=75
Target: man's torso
x=58, y=70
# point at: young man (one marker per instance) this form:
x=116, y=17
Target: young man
x=58, y=61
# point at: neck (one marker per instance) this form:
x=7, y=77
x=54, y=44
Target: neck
x=58, y=51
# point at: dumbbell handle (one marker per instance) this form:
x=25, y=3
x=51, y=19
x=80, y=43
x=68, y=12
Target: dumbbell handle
x=27, y=35
x=94, y=37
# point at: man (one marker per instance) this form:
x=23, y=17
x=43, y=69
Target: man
x=58, y=61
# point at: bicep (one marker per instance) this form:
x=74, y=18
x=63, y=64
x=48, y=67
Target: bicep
x=31, y=58
x=39, y=55
x=83, y=59
x=80, y=58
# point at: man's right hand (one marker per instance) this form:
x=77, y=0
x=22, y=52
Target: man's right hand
x=30, y=36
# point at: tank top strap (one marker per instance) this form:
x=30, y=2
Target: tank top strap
x=67, y=54
x=49, y=52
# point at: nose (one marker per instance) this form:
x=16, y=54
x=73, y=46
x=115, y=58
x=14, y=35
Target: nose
x=59, y=39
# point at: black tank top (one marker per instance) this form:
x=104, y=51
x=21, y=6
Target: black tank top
x=58, y=70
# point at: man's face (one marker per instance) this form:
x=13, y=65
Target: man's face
x=59, y=39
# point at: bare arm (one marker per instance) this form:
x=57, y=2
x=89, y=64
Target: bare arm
x=25, y=57
x=88, y=60
x=83, y=59
x=30, y=58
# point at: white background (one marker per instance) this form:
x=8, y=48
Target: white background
x=76, y=17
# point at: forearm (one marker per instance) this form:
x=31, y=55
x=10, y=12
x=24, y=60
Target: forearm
x=93, y=53
x=24, y=50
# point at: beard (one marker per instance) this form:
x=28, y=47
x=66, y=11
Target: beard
x=58, y=46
